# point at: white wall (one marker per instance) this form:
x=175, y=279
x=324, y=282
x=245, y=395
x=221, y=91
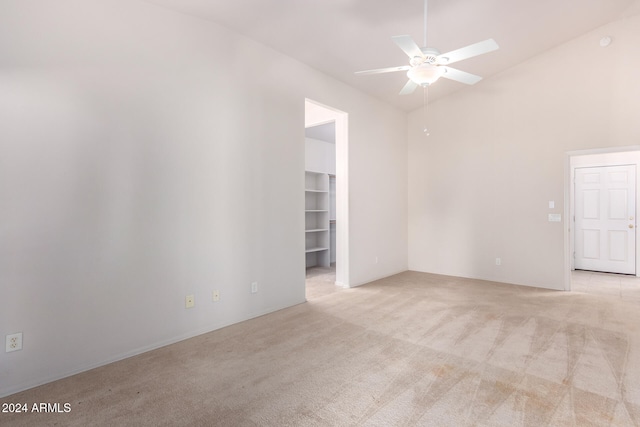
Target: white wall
x=142, y=160
x=479, y=186
x=320, y=156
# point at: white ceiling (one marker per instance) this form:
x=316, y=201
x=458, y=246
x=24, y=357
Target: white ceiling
x=339, y=37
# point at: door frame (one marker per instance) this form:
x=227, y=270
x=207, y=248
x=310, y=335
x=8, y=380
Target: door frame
x=319, y=114
x=593, y=158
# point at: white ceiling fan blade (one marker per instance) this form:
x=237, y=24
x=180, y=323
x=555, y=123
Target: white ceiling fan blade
x=409, y=47
x=460, y=76
x=470, y=51
x=409, y=88
x=385, y=70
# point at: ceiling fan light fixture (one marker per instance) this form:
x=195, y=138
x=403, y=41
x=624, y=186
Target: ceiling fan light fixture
x=425, y=74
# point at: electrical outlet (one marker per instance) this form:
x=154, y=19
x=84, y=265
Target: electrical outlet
x=190, y=301
x=216, y=295
x=14, y=342
x=254, y=287
x=498, y=261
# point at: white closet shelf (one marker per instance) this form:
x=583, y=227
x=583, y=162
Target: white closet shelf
x=318, y=249
x=317, y=211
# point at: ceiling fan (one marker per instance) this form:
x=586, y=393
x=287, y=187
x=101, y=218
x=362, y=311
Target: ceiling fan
x=427, y=64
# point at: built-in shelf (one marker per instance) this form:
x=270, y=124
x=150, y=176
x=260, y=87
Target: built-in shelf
x=317, y=228
x=319, y=249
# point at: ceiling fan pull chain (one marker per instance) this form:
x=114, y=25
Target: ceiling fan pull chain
x=425, y=98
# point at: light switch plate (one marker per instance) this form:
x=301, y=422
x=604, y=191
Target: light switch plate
x=555, y=218
x=552, y=204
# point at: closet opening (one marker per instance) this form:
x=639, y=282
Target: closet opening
x=325, y=210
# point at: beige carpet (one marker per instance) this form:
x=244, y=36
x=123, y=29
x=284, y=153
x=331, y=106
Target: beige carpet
x=321, y=281
x=413, y=349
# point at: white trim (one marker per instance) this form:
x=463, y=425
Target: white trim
x=378, y=277
x=320, y=122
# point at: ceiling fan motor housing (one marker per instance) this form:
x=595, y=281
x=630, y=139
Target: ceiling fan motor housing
x=430, y=54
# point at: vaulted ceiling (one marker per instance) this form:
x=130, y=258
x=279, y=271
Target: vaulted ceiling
x=339, y=37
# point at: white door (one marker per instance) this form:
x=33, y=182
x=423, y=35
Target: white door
x=605, y=219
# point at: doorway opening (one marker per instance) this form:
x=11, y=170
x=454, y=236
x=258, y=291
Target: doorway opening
x=602, y=188
x=326, y=199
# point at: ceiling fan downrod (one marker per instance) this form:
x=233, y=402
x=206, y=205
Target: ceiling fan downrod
x=425, y=24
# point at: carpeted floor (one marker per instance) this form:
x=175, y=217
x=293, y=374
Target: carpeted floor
x=321, y=281
x=412, y=349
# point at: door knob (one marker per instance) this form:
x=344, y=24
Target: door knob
x=630, y=225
